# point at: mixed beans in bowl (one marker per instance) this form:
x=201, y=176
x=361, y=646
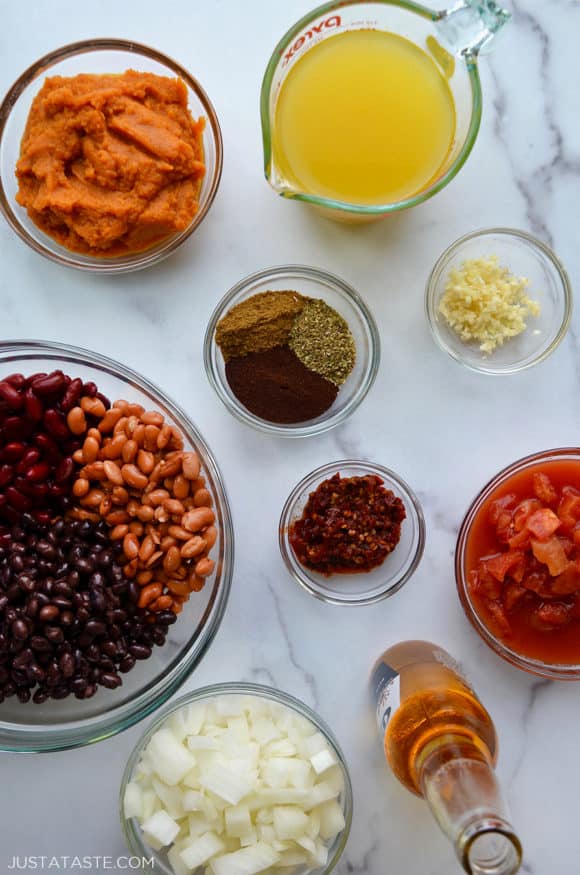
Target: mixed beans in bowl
x=116, y=547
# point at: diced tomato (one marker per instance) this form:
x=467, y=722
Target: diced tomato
x=537, y=581
x=551, y=553
x=499, y=617
x=487, y=586
x=543, y=488
x=499, y=564
x=567, y=582
x=569, y=508
x=505, y=527
x=499, y=505
x=551, y=615
x=543, y=523
x=576, y=534
x=575, y=609
x=523, y=511
x=519, y=569
x=567, y=546
x=520, y=541
x=513, y=593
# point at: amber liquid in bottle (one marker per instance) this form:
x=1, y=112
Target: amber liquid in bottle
x=441, y=744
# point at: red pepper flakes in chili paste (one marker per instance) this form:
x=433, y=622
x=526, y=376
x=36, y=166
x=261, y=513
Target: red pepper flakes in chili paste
x=349, y=524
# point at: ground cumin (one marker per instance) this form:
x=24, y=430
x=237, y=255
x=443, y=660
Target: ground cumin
x=274, y=385
x=258, y=323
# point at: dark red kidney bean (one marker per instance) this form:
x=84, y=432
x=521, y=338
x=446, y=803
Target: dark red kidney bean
x=43, y=517
x=17, y=499
x=38, y=473
x=16, y=380
x=30, y=458
x=50, y=385
x=67, y=618
x=33, y=405
x=17, y=428
x=10, y=395
x=13, y=452
x=40, y=696
x=46, y=444
x=90, y=389
x=55, y=424
x=72, y=395
x=9, y=514
x=65, y=470
x=6, y=475
x=104, y=399
x=37, y=491
x=33, y=377
x=23, y=695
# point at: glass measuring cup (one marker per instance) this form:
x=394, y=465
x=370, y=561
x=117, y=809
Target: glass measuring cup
x=452, y=38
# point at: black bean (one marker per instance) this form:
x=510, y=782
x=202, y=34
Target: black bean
x=69, y=620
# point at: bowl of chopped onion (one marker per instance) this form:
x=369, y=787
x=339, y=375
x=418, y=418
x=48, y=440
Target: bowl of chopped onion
x=498, y=301
x=236, y=779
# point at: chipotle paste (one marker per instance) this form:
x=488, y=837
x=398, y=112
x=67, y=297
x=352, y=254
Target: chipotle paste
x=111, y=164
x=349, y=524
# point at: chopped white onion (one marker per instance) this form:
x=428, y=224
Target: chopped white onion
x=238, y=786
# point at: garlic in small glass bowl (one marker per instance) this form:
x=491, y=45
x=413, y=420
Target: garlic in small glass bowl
x=523, y=256
x=237, y=778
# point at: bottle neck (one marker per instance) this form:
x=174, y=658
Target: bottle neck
x=458, y=782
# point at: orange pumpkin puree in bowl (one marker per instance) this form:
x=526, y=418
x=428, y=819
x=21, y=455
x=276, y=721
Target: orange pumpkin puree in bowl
x=111, y=164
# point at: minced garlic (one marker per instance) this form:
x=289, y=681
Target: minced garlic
x=486, y=303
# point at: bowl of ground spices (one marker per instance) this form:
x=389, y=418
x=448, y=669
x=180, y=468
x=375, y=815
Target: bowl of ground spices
x=292, y=350
x=352, y=533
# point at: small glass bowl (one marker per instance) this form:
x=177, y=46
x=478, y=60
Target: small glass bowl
x=368, y=587
x=131, y=829
x=314, y=283
x=525, y=256
x=554, y=671
x=68, y=723
x=99, y=56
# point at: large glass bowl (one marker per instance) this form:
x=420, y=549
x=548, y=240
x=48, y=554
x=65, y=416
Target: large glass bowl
x=546, y=669
x=133, y=833
x=66, y=723
x=99, y=56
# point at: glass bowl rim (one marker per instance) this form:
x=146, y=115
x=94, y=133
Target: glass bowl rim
x=339, y=286
x=552, y=671
x=346, y=465
x=470, y=59
x=138, y=260
x=43, y=738
x=133, y=837
x=534, y=243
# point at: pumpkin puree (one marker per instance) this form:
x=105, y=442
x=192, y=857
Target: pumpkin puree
x=111, y=164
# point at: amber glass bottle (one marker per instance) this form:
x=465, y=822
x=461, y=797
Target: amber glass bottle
x=441, y=744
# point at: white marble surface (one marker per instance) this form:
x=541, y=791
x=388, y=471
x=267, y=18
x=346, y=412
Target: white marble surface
x=442, y=428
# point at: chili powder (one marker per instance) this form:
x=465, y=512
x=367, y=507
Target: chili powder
x=274, y=385
x=349, y=525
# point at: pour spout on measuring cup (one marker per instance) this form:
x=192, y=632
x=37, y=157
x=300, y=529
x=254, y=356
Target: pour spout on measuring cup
x=468, y=27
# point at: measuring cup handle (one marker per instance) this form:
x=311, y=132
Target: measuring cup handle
x=468, y=27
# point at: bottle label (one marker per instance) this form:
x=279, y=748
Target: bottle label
x=386, y=691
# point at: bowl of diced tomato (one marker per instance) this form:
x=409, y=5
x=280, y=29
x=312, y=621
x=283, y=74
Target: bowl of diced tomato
x=517, y=563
